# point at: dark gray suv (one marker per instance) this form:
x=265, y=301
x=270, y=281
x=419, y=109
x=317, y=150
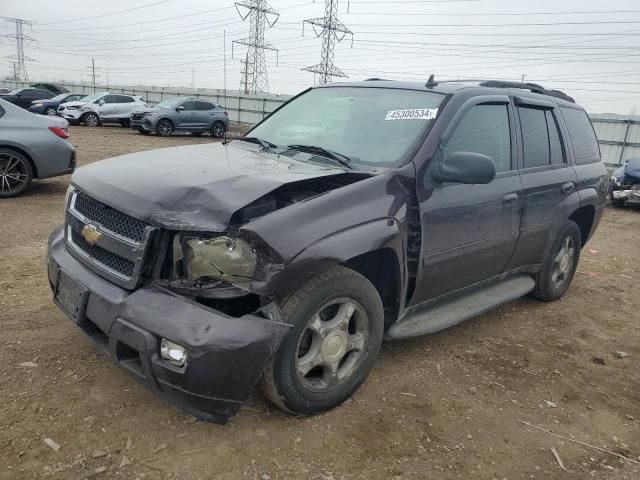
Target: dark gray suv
x=181, y=115
x=353, y=213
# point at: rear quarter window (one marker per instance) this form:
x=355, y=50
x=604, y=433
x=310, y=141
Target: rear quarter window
x=583, y=137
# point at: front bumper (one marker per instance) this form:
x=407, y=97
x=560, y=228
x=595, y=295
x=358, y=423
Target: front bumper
x=71, y=115
x=148, y=124
x=628, y=196
x=226, y=355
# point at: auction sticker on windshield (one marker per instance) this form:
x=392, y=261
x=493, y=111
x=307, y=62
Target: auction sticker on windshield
x=412, y=114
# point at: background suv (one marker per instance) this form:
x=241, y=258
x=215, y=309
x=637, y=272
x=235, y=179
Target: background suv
x=182, y=115
x=101, y=108
x=24, y=97
x=50, y=106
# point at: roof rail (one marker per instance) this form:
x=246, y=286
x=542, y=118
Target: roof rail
x=376, y=79
x=532, y=87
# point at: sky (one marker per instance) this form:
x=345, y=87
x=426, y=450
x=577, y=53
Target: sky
x=587, y=48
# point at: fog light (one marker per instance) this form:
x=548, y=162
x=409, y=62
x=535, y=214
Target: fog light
x=173, y=353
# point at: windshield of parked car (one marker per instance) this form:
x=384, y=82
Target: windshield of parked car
x=169, y=103
x=371, y=126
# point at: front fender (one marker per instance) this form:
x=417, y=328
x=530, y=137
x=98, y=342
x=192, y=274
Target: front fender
x=335, y=249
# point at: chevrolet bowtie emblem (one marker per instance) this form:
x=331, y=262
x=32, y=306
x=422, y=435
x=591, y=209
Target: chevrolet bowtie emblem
x=91, y=234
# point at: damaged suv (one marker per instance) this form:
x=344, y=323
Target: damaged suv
x=355, y=212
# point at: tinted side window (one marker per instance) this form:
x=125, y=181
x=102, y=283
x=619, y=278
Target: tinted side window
x=189, y=105
x=204, y=106
x=535, y=138
x=484, y=129
x=555, y=144
x=583, y=138
x=107, y=99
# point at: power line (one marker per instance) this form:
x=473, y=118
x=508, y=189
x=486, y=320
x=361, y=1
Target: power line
x=21, y=40
x=254, y=78
x=331, y=30
x=106, y=14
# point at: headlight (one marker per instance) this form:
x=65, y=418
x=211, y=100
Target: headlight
x=229, y=259
x=151, y=114
x=38, y=104
x=616, y=181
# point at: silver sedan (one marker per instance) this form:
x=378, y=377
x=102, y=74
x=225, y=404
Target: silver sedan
x=31, y=147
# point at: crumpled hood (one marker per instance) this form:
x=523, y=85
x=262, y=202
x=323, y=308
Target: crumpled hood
x=195, y=187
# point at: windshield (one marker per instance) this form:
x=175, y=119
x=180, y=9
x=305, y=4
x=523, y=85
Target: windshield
x=372, y=126
x=92, y=97
x=169, y=103
x=15, y=91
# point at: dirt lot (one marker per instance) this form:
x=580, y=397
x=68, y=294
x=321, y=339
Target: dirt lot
x=446, y=406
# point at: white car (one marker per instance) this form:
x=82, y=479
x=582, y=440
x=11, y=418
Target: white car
x=99, y=108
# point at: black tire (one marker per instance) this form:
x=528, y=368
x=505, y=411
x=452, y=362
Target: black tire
x=553, y=281
x=324, y=295
x=91, y=120
x=217, y=130
x=164, y=127
x=50, y=111
x=16, y=173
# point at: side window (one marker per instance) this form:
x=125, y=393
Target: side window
x=125, y=99
x=106, y=99
x=484, y=129
x=583, y=138
x=555, y=144
x=535, y=137
x=204, y=106
x=189, y=105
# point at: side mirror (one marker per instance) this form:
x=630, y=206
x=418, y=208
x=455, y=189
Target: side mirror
x=100, y=102
x=179, y=108
x=465, y=167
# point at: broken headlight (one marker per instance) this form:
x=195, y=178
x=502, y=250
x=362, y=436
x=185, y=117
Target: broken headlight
x=224, y=258
x=616, y=181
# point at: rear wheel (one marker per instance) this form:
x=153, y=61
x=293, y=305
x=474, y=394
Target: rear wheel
x=217, y=130
x=51, y=111
x=338, y=324
x=164, y=128
x=16, y=173
x=560, y=266
x=91, y=120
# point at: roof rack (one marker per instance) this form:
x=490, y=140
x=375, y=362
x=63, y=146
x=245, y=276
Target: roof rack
x=532, y=87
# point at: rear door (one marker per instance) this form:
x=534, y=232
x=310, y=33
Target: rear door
x=205, y=113
x=123, y=106
x=469, y=232
x=548, y=179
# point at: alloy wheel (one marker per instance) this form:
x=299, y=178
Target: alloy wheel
x=50, y=111
x=332, y=345
x=563, y=262
x=217, y=130
x=14, y=174
x=91, y=120
x=165, y=128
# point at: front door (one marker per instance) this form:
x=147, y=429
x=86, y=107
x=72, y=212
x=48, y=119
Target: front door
x=469, y=232
x=186, y=117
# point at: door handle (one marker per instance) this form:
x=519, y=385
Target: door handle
x=568, y=187
x=509, y=198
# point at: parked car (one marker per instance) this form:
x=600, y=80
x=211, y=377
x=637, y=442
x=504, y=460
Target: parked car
x=23, y=97
x=181, y=115
x=51, y=87
x=100, y=108
x=284, y=257
x=4, y=91
x=31, y=147
x=625, y=184
x=50, y=106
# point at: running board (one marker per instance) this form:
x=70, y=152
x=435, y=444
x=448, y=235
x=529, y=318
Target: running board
x=450, y=313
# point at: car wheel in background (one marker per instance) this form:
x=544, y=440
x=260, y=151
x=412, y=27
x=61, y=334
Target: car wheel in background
x=51, y=111
x=91, y=120
x=217, y=130
x=16, y=173
x=560, y=266
x=164, y=128
x=337, y=323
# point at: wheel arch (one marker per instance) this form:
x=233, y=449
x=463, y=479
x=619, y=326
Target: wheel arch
x=26, y=154
x=584, y=218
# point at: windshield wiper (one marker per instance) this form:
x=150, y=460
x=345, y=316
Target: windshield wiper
x=268, y=146
x=330, y=154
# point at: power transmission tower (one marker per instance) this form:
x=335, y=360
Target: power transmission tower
x=331, y=30
x=21, y=40
x=93, y=74
x=254, y=78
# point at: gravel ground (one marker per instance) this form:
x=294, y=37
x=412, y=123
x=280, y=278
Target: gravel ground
x=451, y=405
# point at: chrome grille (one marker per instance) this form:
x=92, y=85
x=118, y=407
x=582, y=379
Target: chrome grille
x=109, y=242
x=110, y=260
x=111, y=219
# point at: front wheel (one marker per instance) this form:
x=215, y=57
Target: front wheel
x=338, y=324
x=50, y=111
x=560, y=266
x=15, y=173
x=217, y=130
x=91, y=120
x=164, y=128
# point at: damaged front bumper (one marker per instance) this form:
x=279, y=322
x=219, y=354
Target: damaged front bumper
x=629, y=196
x=225, y=355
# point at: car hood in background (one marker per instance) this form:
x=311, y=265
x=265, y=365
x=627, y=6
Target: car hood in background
x=196, y=187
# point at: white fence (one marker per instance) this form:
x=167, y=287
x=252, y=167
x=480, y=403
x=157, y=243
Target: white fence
x=618, y=136
x=249, y=109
